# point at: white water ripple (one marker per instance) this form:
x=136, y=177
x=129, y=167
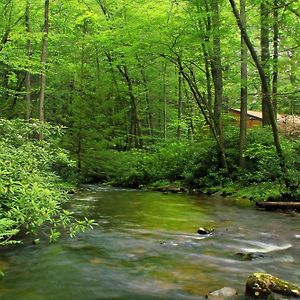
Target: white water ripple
x=264, y=247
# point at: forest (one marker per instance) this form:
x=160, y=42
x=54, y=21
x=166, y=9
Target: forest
x=141, y=94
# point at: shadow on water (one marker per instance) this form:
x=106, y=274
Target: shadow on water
x=146, y=247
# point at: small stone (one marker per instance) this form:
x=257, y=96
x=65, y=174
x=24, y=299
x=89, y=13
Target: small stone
x=250, y=255
x=71, y=191
x=36, y=242
x=204, y=231
x=224, y=293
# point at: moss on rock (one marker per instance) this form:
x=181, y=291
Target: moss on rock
x=262, y=285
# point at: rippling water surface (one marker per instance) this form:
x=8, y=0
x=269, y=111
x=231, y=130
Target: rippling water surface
x=146, y=247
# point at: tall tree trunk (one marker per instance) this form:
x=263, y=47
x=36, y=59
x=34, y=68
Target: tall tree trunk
x=147, y=98
x=265, y=57
x=190, y=116
x=98, y=73
x=244, y=89
x=114, y=84
x=115, y=92
x=217, y=80
x=180, y=104
x=200, y=100
x=28, y=75
x=44, y=59
x=79, y=150
x=207, y=54
x=4, y=38
x=135, y=135
x=165, y=102
x=293, y=80
x=264, y=81
x=205, y=43
x=275, y=54
x=208, y=77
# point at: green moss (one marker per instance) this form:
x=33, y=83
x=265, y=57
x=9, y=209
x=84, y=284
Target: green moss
x=262, y=285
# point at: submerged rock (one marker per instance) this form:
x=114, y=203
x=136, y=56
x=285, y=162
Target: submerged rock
x=250, y=255
x=171, y=189
x=224, y=293
x=203, y=231
x=36, y=241
x=263, y=285
x=71, y=191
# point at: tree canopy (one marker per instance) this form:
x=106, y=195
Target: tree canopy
x=123, y=75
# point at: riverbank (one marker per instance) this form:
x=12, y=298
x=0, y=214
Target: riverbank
x=146, y=246
x=195, y=167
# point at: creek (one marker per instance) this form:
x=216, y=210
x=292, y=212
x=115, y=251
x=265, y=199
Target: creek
x=146, y=247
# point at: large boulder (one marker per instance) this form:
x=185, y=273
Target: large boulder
x=263, y=285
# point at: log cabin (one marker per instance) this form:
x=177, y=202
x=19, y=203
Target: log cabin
x=288, y=124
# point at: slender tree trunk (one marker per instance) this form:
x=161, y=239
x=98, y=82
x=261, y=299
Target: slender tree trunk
x=164, y=70
x=265, y=57
x=190, y=116
x=264, y=82
x=113, y=75
x=7, y=11
x=135, y=136
x=44, y=59
x=79, y=124
x=4, y=38
x=207, y=54
x=244, y=89
x=275, y=54
x=202, y=104
x=218, y=80
x=200, y=101
x=17, y=91
x=28, y=75
x=147, y=98
x=115, y=92
x=293, y=80
x=205, y=43
x=180, y=104
x=79, y=150
x=207, y=75
x=98, y=73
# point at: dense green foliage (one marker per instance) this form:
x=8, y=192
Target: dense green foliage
x=195, y=166
x=30, y=190
x=144, y=90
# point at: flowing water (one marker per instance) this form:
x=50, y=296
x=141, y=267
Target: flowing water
x=146, y=247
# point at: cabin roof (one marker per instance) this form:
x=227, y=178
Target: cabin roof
x=287, y=124
x=281, y=118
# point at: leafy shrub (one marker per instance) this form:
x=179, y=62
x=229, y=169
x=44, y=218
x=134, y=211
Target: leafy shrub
x=262, y=159
x=29, y=188
x=197, y=166
x=168, y=161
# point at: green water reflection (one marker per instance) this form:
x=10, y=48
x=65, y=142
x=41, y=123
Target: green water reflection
x=146, y=247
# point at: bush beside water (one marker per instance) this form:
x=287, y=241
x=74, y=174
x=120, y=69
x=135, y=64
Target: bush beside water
x=33, y=173
x=195, y=166
x=30, y=182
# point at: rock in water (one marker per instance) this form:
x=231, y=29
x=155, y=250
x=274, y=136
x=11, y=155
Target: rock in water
x=262, y=285
x=204, y=231
x=224, y=293
x=250, y=255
